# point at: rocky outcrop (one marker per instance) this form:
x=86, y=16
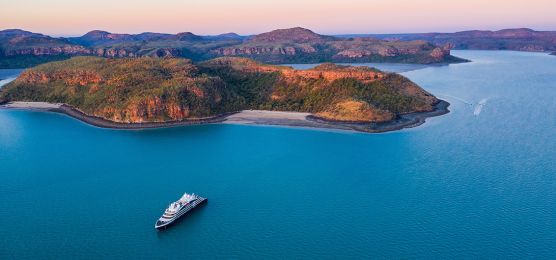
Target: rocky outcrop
x=58, y=50
x=439, y=53
x=113, y=53
x=355, y=111
x=150, y=109
x=255, y=51
x=326, y=71
x=331, y=72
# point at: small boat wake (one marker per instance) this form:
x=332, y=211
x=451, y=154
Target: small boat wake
x=479, y=106
x=458, y=99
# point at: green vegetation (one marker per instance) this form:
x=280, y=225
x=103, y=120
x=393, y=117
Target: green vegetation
x=162, y=89
x=125, y=89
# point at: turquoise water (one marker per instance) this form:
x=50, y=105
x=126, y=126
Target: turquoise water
x=477, y=182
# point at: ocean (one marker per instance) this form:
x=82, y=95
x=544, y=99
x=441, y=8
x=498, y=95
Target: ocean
x=479, y=182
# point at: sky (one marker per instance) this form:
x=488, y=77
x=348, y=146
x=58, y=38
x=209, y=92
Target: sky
x=205, y=17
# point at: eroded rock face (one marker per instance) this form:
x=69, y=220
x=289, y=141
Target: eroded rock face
x=261, y=50
x=327, y=71
x=102, y=52
x=333, y=72
x=437, y=53
x=61, y=50
x=355, y=111
x=150, y=109
x=115, y=53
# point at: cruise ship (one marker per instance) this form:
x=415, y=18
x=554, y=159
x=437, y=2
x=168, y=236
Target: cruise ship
x=177, y=209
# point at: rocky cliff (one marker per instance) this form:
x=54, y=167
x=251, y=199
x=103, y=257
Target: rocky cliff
x=159, y=90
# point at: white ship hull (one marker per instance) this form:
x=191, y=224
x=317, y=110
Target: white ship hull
x=163, y=223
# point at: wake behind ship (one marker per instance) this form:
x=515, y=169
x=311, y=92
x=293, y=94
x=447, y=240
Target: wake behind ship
x=177, y=209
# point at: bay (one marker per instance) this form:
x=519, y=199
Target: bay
x=479, y=182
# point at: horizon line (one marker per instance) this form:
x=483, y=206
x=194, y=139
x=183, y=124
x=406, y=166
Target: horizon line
x=247, y=35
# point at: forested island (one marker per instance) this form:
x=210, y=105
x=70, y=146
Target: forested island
x=147, y=91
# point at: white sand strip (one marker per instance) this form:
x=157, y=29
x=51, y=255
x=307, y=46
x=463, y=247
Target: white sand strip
x=256, y=116
x=32, y=105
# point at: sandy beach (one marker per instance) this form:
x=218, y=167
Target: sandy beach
x=247, y=117
x=277, y=118
x=32, y=105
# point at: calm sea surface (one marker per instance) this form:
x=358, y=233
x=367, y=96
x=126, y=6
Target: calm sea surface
x=477, y=182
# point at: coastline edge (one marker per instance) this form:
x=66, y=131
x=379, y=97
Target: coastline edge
x=403, y=121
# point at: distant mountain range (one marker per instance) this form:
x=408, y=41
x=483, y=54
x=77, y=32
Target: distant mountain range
x=521, y=39
x=20, y=48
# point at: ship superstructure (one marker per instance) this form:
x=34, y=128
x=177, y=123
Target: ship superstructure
x=178, y=208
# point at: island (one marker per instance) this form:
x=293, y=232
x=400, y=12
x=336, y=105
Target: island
x=21, y=49
x=159, y=92
x=518, y=39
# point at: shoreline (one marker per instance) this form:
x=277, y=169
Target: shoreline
x=247, y=117
x=402, y=121
x=104, y=123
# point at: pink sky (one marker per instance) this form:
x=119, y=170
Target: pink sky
x=65, y=17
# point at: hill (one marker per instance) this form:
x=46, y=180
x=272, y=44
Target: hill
x=299, y=45
x=296, y=45
x=19, y=49
x=521, y=39
x=296, y=35
x=136, y=90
